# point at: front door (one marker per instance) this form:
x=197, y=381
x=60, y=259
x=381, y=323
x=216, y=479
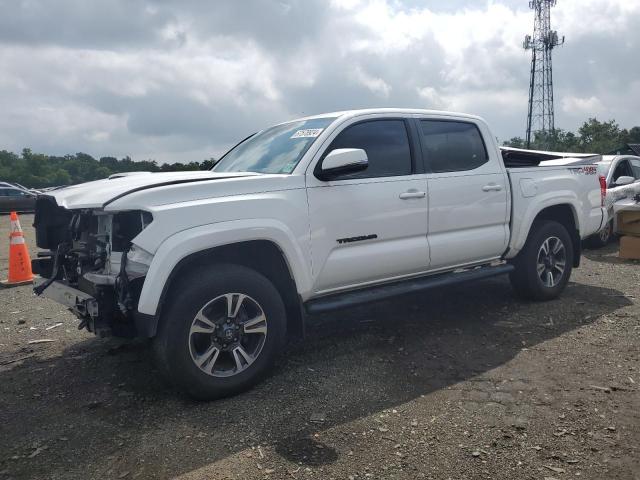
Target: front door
x=371, y=225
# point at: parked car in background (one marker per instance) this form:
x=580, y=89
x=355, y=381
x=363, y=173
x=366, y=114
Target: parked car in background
x=16, y=199
x=11, y=185
x=621, y=175
x=35, y=191
x=48, y=189
x=21, y=187
x=619, y=179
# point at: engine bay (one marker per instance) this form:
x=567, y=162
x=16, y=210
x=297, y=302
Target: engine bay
x=92, y=252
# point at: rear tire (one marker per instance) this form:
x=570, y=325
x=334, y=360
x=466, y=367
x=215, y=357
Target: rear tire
x=543, y=267
x=221, y=331
x=602, y=238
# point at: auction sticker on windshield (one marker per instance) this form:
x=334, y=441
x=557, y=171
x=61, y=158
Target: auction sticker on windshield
x=307, y=133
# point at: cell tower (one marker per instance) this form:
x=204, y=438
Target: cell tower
x=544, y=40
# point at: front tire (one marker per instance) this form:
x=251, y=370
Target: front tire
x=543, y=267
x=221, y=332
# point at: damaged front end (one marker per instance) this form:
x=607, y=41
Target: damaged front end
x=91, y=265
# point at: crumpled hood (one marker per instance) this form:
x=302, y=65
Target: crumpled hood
x=100, y=193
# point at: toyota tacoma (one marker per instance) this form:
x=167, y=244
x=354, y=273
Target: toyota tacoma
x=326, y=212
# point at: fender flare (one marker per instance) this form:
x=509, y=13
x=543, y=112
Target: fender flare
x=519, y=236
x=187, y=242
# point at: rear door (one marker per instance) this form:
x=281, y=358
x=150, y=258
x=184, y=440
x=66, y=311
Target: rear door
x=371, y=225
x=468, y=203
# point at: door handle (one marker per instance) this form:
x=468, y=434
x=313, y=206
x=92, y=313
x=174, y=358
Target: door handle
x=492, y=187
x=412, y=194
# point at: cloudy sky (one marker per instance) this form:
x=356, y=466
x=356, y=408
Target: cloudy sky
x=181, y=80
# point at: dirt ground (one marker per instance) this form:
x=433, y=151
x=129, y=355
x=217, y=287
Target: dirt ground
x=461, y=383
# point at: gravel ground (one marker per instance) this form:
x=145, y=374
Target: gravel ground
x=461, y=383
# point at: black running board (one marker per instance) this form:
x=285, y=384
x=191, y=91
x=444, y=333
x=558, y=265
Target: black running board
x=381, y=292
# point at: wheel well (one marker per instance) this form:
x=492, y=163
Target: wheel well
x=564, y=215
x=262, y=256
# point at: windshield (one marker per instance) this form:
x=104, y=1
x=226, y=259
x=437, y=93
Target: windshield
x=274, y=150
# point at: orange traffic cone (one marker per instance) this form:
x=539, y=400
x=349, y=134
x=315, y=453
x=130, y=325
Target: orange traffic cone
x=19, y=260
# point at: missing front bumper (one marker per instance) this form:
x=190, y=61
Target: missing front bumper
x=80, y=303
x=98, y=314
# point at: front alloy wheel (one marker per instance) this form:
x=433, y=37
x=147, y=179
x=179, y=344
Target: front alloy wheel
x=221, y=331
x=227, y=334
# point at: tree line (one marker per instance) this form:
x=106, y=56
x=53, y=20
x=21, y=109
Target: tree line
x=593, y=136
x=37, y=170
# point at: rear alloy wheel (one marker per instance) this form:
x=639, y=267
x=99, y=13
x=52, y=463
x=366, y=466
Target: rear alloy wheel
x=552, y=261
x=543, y=267
x=221, y=332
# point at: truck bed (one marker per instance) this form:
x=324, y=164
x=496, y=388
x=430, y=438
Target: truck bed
x=576, y=186
x=521, y=158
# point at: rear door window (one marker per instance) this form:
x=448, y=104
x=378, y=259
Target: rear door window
x=452, y=146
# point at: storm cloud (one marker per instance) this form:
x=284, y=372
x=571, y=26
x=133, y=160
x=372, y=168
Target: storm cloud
x=182, y=80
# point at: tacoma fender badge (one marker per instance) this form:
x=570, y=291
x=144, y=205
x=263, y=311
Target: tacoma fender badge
x=357, y=239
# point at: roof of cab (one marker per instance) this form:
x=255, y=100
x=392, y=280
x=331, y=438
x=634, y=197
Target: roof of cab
x=397, y=111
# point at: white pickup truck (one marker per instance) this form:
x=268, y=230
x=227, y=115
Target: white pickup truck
x=308, y=216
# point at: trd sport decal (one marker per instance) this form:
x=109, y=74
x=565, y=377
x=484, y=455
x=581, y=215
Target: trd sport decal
x=356, y=239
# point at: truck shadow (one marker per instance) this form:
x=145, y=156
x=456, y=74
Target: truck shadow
x=608, y=254
x=101, y=408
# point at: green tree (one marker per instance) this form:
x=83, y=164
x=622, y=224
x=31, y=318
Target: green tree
x=633, y=135
x=516, y=142
x=37, y=170
x=600, y=137
x=593, y=136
